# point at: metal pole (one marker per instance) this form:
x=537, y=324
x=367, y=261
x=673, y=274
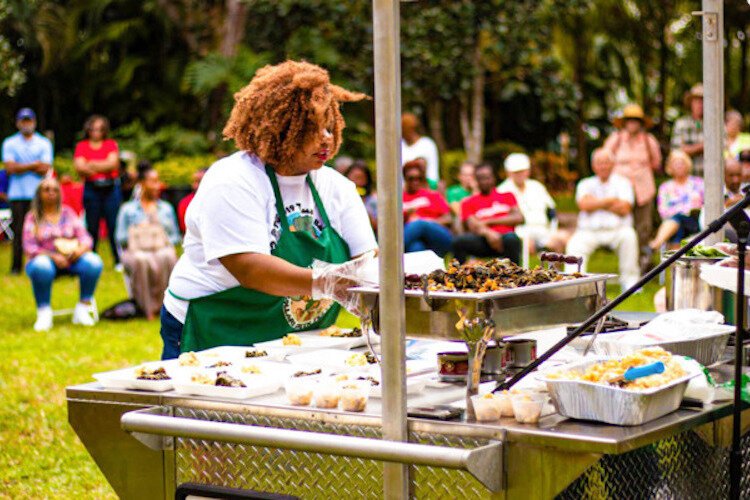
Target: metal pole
x=713, y=111
x=390, y=234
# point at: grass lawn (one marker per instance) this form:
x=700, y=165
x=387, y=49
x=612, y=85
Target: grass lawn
x=40, y=455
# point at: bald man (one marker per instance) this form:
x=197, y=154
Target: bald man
x=732, y=182
x=605, y=219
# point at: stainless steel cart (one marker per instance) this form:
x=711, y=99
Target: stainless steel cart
x=148, y=444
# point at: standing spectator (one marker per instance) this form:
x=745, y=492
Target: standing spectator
x=72, y=193
x=28, y=158
x=147, y=231
x=687, y=133
x=536, y=205
x=361, y=176
x=606, y=201
x=490, y=218
x=182, y=206
x=56, y=242
x=96, y=159
x=467, y=186
x=680, y=202
x=736, y=140
x=637, y=156
x=426, y=213
x=414, y=145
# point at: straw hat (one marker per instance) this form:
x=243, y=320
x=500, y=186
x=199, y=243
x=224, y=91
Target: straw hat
x=633, y=112
x=696, y=91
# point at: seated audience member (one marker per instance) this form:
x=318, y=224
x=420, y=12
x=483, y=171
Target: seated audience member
x=467, y=186
x=732, y=182
x=535, y=203
x=490, y=219
x=736, y=139
x=359, y=174
x=744, y=158
x=72, y=193
x=679, y=202
x=147, y=231
x=55, y=242
x=426, y=213
x=732, y=193
x=342, y=163
x=182, y=206
x=605, y=220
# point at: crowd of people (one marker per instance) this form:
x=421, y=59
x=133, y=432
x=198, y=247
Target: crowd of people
x=60, y=221
x=56, y=223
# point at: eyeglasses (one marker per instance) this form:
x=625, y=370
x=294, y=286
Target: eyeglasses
x=413, y=178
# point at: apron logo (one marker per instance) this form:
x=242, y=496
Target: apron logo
x=302, y=312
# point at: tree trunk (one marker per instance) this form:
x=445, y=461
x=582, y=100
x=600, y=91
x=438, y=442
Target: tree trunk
x=471, y=112
x=579, y=74
x=232, y=33
x=435, y=122
x=663, y=60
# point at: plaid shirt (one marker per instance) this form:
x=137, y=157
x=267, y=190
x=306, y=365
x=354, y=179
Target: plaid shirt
x=687, y=130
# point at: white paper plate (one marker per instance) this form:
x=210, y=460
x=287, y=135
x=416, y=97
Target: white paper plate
x=309, y=342
x=349, y=342
x=126, y=379
x=327, y=358
x=232, y=352
x=257, y=385
x=414, y=385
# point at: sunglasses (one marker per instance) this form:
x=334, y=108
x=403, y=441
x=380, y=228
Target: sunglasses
x=414, y=178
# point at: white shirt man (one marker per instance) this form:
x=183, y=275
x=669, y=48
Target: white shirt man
x=533, y=199
x=605, y=220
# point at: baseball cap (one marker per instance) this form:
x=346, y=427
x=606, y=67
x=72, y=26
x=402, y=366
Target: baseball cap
x=516, y=162
x=25, y=114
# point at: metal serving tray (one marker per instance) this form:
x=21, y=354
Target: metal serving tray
x=514, y=310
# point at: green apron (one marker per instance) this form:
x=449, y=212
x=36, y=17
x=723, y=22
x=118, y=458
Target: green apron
x=240, y=316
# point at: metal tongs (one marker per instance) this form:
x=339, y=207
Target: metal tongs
x=547, y=257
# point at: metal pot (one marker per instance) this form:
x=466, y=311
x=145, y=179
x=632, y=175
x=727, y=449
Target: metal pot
x=686, y=289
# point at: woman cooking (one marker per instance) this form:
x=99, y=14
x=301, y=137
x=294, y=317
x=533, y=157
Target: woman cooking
x=262, y=215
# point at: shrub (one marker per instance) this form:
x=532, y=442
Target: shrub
x=450, y=162
x=170, y=140
x=553, y=170
x=178, y=170
x=63, y=165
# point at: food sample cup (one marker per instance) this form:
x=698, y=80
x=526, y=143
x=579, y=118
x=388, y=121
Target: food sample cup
x=299, y=391
x=527, y=406
x=486, y=407
x=505, y=402
x=355, y=394
x=327, y=394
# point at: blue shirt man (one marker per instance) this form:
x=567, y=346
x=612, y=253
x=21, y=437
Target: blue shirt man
x=3, y=189
x=27, y=156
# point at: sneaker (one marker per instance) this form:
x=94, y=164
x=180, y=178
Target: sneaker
x=43, y=319
x=119, y=267
x=82, y=315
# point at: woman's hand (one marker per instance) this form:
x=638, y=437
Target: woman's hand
x=76, y=254
x=61, y=261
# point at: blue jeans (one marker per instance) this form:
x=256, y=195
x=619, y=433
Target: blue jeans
x=102, y=203
x=42, y=271
x=171, y=334
x=688, y=225
x=427, y=235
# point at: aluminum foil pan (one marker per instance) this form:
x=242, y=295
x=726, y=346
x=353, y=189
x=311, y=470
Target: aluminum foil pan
x=706, y=350
x=612, y=405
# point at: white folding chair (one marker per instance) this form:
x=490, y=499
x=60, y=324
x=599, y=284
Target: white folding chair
x=6, y=218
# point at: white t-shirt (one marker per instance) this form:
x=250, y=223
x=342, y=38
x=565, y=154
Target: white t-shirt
x=615, y=187
x=533, y=201
x=423, y=148
x=234, y=211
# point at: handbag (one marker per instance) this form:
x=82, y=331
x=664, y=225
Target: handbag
x=148, y=236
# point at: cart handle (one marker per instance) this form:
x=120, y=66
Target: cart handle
x=484, y=463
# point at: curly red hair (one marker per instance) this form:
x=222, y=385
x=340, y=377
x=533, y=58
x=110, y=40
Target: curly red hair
x=282, y=107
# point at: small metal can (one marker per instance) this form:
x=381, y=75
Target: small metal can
x=519, y=352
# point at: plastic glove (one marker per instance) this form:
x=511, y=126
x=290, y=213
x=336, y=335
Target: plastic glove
x=333, y=281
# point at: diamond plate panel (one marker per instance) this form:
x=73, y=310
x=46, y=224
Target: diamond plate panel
x=682, y=466
x=310, y=475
